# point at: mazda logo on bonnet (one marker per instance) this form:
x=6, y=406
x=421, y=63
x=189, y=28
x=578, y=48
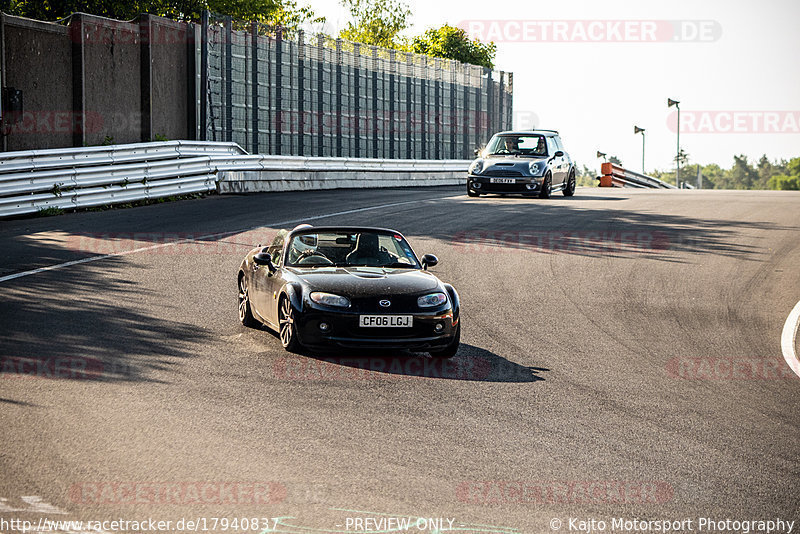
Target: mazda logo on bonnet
x=385, y=303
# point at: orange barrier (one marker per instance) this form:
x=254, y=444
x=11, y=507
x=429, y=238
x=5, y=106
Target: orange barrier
x=616, y=176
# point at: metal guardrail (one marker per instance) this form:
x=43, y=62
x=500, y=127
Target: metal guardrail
x=68, y=178
x=616, y=176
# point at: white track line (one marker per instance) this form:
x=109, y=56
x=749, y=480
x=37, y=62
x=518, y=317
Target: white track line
x=788, y=339
x=208, y=236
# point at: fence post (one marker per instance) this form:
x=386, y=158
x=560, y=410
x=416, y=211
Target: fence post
x=204, y=76
x=437, y=108
x=146, y=77
x=78, y=81
x=228, y=79
x=301, y=75
x=375, y=102
x=320, y=94
x=278, y=89
x=423, y=105
x=338, y=98
x=254, y=84
x=453, y=103
x=409, y=104
x=392, y=67
x=465, y=152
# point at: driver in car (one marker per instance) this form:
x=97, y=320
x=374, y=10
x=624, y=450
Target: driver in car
x=512, y=144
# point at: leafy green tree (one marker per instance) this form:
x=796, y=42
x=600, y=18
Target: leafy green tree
x=586, y=177
x=450, y=42
x=376, y=22
x=286, y=13
x=788, y=181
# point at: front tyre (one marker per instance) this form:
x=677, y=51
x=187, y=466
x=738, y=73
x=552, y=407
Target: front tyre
x=547, y=186
x=569, y=190
x=245, y=312
x=451, y=350
x=287, y=329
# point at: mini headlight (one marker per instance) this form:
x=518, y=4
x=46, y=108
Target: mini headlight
x=536, y=167
x=476, y=167
x=329, y=299
x=434, y=299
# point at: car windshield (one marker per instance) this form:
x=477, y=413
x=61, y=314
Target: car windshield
x=350, y=248
x=519, y=145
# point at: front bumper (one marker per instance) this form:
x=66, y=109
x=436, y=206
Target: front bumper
x=343, y=330
x=523, y=185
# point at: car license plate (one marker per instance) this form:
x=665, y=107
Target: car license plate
x=502, y=180
x=382, y=321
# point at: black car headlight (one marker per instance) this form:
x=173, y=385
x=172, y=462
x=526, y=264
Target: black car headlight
x=476, y=167
x=432, y=300
x=329, y=299
x=536, y=168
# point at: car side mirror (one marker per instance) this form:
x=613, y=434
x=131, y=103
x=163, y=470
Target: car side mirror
x=477, y=152
x=559, y=153
x=262, y=258
x=429, y=260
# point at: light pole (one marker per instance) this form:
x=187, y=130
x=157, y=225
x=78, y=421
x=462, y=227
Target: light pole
x=601, y=155
x=675, y=103
x=637, y=130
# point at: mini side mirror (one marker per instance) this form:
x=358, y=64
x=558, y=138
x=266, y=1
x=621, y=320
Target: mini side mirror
x=262, y=258
x=429, y=260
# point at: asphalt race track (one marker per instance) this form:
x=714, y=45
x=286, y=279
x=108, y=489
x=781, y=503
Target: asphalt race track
x=621, y=358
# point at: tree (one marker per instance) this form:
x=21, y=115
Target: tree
x=788, y=181
x=376, y=22
x=453, y=43
x=285, y=13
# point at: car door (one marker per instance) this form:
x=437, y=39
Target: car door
x=566, y=162
x=557, y=161
x=264, y=280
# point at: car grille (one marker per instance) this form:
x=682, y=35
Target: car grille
x=506, y=173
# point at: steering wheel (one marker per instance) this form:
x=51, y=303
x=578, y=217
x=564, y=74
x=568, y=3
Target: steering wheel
x=311, y=253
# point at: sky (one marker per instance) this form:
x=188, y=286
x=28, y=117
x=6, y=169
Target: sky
x=734, y=65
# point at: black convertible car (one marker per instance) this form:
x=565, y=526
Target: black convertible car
x=348, y=287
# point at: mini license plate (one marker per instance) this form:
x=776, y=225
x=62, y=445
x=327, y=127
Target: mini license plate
x=502, y=180
x=383, y=321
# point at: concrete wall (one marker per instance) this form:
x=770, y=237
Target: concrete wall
x=112, y=81
x=97, y=79
x=173, y=72
x=39, y=60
